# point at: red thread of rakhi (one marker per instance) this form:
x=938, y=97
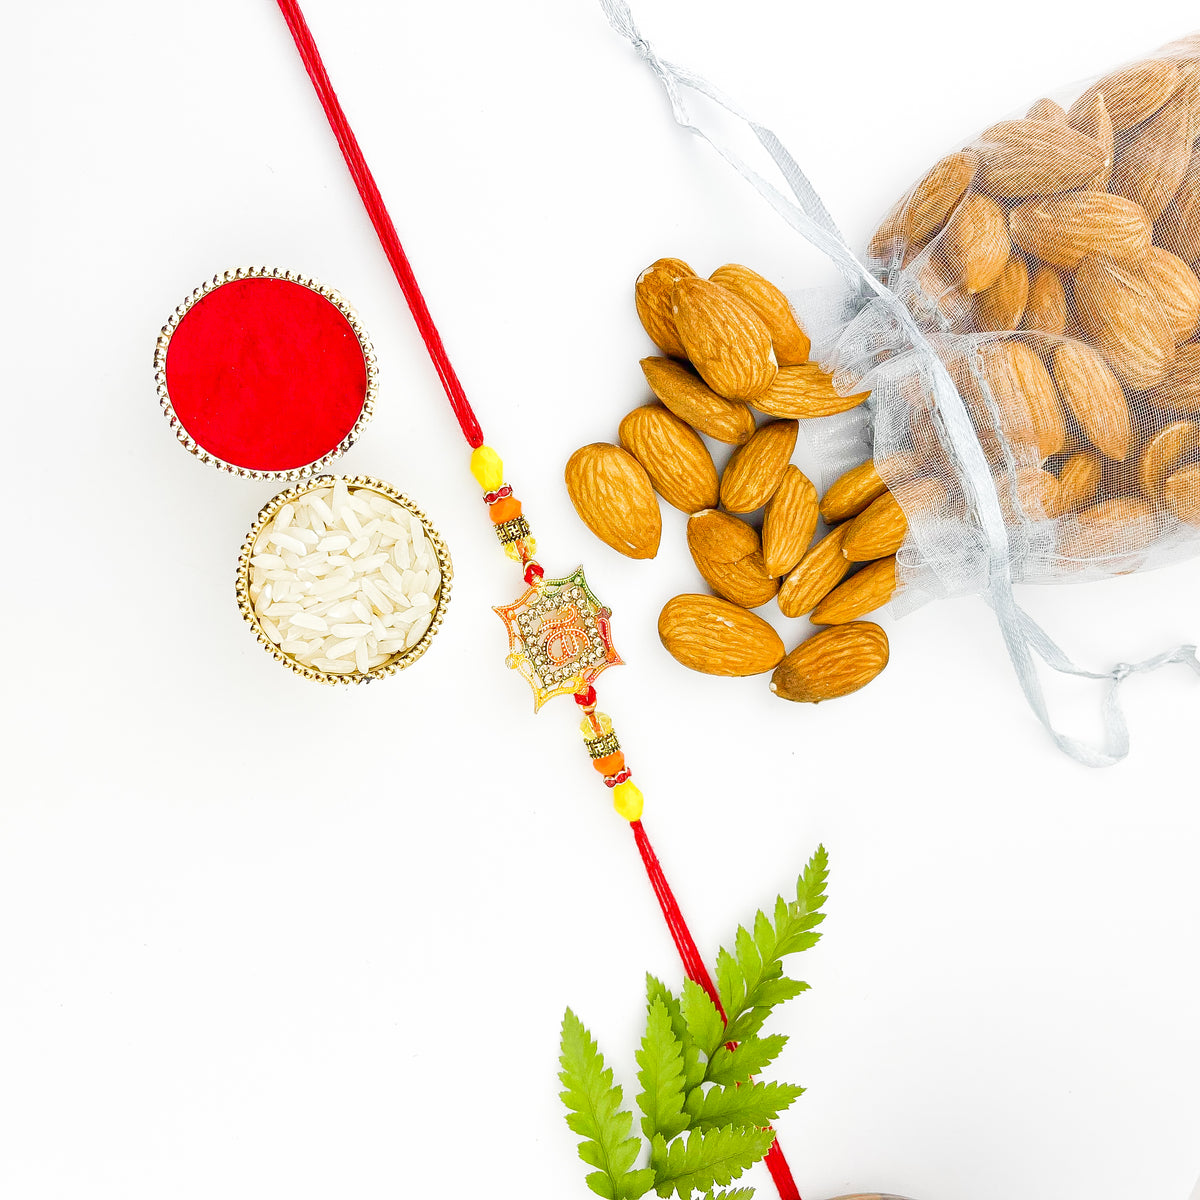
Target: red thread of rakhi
x=368, y=189
x=685, y=944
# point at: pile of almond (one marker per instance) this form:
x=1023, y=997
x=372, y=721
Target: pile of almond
x=1055, y=259
x=735, y=368
x=1077, y=233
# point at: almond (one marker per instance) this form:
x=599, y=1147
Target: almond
x=1117, y=310
x=790, y=342
x=728, y=554
x=1030, y=158
x=1062, y=230
x=652, y=298
x=711, y=635
x=1177, y=290
x=1150, y=165
x=1186, y=47
x=1001, y=307
x=1188, y=92
x=1047, y=110
x=975, y=244
x=1094, y=121
x=789, y=522
x=1024, y=394
x=1179, y=392
x=940, y=286
x=804, y=390
x=1118, y=526
x=863, y=592
x=1132, y=94
x=755, y=470
x=1036, y=495
x=614, y=499
x=923, y=211
x=1079, y=480
x=1181, y=493
x=693, y=401
x=1046, y=308
x=677, y=461
x=848, y=495
x=876, y=532
x=1178, y=229
x=724, y=337
x=832, y=663
x=1163, y=454
x=815, y=576
x=1091, y=391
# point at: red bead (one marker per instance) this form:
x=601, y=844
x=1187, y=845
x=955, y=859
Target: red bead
x=532, y=572
x=584, y=699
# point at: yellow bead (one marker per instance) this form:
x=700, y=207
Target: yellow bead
x=488, y=468
x=627, y=800
x=585, y=726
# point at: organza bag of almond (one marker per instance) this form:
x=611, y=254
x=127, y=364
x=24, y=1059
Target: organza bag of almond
x=1026, y=320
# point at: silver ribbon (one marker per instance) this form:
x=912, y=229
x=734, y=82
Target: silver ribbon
x=805, y=213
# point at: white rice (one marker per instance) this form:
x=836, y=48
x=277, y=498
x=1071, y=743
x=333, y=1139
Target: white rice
x=342, y=579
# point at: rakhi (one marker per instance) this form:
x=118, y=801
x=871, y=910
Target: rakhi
x=559, y=634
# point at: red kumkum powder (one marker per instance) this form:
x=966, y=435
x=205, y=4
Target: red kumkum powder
x=266, y=374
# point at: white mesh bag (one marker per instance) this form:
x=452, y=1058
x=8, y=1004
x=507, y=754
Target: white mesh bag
x=1027, y=320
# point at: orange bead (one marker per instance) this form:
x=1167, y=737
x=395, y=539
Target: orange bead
x=610, y=764
x=508, y=509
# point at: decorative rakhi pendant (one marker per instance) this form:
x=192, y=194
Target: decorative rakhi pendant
x=559, y=636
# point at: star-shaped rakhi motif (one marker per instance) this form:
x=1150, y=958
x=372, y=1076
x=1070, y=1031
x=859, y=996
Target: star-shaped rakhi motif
x=559, y=636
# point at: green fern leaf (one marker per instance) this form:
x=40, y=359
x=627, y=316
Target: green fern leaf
x=661, y=1076
x=693, y=1065
x=772, y=992
x=747, y=1059
x=705, y=1159
x=731, y=983
x=704, y=1023
x=742, y=1193
x=806, y=913
x=768, y=994
x=740, y=1104
x=594, y=1112
x=753, y=979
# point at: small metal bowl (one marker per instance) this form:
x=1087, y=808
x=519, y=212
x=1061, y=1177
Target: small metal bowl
x=399, y=660
x=871, y=1196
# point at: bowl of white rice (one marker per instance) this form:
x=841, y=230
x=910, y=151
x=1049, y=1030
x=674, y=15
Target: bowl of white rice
x=343, y=580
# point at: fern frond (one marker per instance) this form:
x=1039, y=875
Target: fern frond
x=661, y=1076
x=594, y=1112
x=704, y=1159
x=704, y=1023
x=693, y=1066
x=751, y=981
x=739, y=1104
x=747, y=1059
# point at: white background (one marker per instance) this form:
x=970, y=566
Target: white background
x=260, y=938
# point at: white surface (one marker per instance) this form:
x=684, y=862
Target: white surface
x=261, y=938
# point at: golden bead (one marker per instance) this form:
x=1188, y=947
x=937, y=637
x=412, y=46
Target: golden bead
x=587, y=729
